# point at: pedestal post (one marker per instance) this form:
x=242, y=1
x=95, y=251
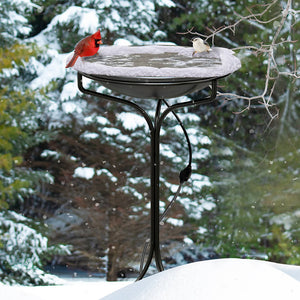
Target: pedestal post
x=154, y=127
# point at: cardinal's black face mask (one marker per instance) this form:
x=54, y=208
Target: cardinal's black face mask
x=97, y=43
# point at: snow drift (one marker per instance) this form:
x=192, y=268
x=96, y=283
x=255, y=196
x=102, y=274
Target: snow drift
x=226, y=279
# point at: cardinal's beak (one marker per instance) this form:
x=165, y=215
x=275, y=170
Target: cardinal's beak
x=100, y=42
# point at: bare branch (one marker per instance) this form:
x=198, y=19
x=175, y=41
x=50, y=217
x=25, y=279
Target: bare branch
x=269, y=49
x=273, y=71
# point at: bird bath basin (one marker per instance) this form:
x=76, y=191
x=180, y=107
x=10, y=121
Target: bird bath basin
x=156, y=71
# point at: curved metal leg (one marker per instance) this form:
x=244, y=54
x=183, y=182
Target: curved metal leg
x=155, y=200
x=154, y=241
x=154, y=127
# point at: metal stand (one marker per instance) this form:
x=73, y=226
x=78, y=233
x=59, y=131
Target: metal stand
x=154, y=127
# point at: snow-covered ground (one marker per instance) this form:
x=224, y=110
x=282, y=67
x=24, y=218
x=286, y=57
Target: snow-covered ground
x=226, y=279
x=73, y=288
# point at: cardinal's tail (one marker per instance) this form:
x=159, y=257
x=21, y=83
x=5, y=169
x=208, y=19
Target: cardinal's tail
x=72, y=61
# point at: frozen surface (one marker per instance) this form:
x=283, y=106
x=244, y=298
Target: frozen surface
x=226, y=279
x=159, y=61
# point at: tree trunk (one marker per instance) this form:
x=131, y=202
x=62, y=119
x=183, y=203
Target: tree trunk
x=112, y=268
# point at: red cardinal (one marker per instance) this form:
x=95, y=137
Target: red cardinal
x=86, y=47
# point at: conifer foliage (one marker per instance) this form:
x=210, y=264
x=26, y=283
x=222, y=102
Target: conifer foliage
x=81, y=165
x=22, y=246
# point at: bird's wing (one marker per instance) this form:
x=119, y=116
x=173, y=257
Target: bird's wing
x=80, y=46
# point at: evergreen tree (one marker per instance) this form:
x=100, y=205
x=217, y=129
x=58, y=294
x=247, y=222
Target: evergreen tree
x=22, y=248
x=237, y=211
x=248, y=161
x=24, y=251
x=122, y=204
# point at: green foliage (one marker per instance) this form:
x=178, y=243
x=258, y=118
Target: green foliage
x=16, y=112
x=254, y=168
x=16, y=55
x=14, y=24
x=257, y=197
x=255, y=186
x=24, y=250
x=46, y=11
x=66, y=41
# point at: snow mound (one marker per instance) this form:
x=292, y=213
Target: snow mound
x=226, y=279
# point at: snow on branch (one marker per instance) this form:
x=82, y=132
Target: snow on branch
x=285, y=18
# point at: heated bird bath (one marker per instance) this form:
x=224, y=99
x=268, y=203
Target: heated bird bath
x=156, y=72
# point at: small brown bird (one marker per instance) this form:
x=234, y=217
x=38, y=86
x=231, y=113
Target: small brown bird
x=86, y=47
x=200, y=46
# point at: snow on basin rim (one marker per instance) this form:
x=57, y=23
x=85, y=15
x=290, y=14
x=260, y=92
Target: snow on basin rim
x=226, y=279
x=229, y=62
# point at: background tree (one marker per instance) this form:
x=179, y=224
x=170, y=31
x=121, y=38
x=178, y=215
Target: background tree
x=98, y=162
x=264, y=36
x=117, y=156
x=24, y=247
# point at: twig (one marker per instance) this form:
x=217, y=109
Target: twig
x=272, y=70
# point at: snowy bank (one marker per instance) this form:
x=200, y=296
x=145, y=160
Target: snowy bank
x=226, y=279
